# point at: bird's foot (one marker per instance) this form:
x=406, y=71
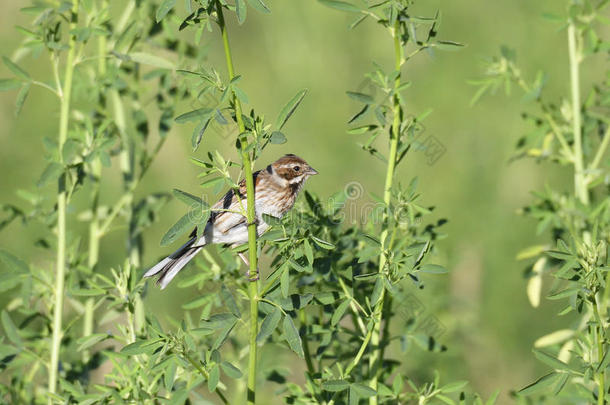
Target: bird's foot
x=255, y=278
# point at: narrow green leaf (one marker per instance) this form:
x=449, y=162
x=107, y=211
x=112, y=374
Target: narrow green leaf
x=189, y=199
x=339, y=312
x=13, y=263
x=142, y=347
x=218, y=321
x=229, y=301
x=87, y=341
x=433, y=269
x=292, y=336
x=540, y=384
x=183, y=225
x=322, y=243
x=230, y=370
x=241, y=11
x=277, y=138
x=214, y=378
x=363, y=98
x=10, y=330
x=269, y=324
x=361, y=390
x=151, y=60
x=199, y=114
x=50, y=173
x=271, y=220
x=164, y=8
x=454, y=386
x=289, y=109
x=260, y=6
x=9, y=84
x=285, y=282
x=550, y=360
x=21, y=97
x=340, y=5
x=335, y=385
x=16, y=69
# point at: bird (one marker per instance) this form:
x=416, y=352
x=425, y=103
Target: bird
x=275, y=191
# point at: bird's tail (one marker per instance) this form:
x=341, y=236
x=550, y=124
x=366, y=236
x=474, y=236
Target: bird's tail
x=169, y=267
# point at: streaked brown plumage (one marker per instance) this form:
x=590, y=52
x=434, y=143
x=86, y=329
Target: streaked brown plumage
x=275, y=190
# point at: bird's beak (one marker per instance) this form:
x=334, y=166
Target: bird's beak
x=311, y=171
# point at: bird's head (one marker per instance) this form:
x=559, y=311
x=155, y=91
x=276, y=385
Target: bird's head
x=291, y=169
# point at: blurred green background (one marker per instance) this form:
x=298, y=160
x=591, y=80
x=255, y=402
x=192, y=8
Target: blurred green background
x=482, y=302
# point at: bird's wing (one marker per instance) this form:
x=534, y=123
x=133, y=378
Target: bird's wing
x=225, y=213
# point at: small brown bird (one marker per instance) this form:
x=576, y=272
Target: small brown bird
x=275, y=191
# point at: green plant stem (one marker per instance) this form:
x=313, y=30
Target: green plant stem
x=376, y=359
x=306, y=352
x=205, y=375
x=250, y=216
x=580, y=185
x=94, y=224
x=64, y=118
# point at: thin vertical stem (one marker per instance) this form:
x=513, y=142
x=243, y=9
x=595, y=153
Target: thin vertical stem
x=580, y=185
x=375, y=359
x=253, y=286
x=94, y=224
x=64, y=118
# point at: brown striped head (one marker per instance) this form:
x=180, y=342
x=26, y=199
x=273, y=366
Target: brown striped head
x=291, y=170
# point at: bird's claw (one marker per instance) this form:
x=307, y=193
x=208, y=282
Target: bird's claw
x=252, y=279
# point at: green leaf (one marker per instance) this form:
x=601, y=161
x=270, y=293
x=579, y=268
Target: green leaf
x=269, y=324
x=285, y=282
x=361, y=390
x=377, y=290
x=229, y=301
x=230, y=370
x=540, y=384
x=214, y=377
x=433, y=269
x=339, y=312
x=21, y=97
x=295, y=301
x=142, y=347
x=199, y=114
x=550, y=360
x=9, y=84
x=277, y=138
x=164, y=8
x=50, y=173
x=10, y=330
x=87, y=341
x=363, y=98
x=151, y=60
x=322, y=243
x=183, y=225
x=271, y=220
x=454, y=386
x=219, y=321
x=13, y=263
x=189, y=199
x=362, y=129
x=16, y=69
x=289, y=109
x=260, y=6
x=448, y=45
x=558, y=336
x=241, y=11
x=340, y=5
x=335, y=385
x=292, y=336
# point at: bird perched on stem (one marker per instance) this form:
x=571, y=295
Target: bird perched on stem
x=275, y=191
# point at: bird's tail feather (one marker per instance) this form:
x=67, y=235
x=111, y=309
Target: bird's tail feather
x=169, y=267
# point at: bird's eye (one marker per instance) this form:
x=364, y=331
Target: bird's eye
x=296, y=168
